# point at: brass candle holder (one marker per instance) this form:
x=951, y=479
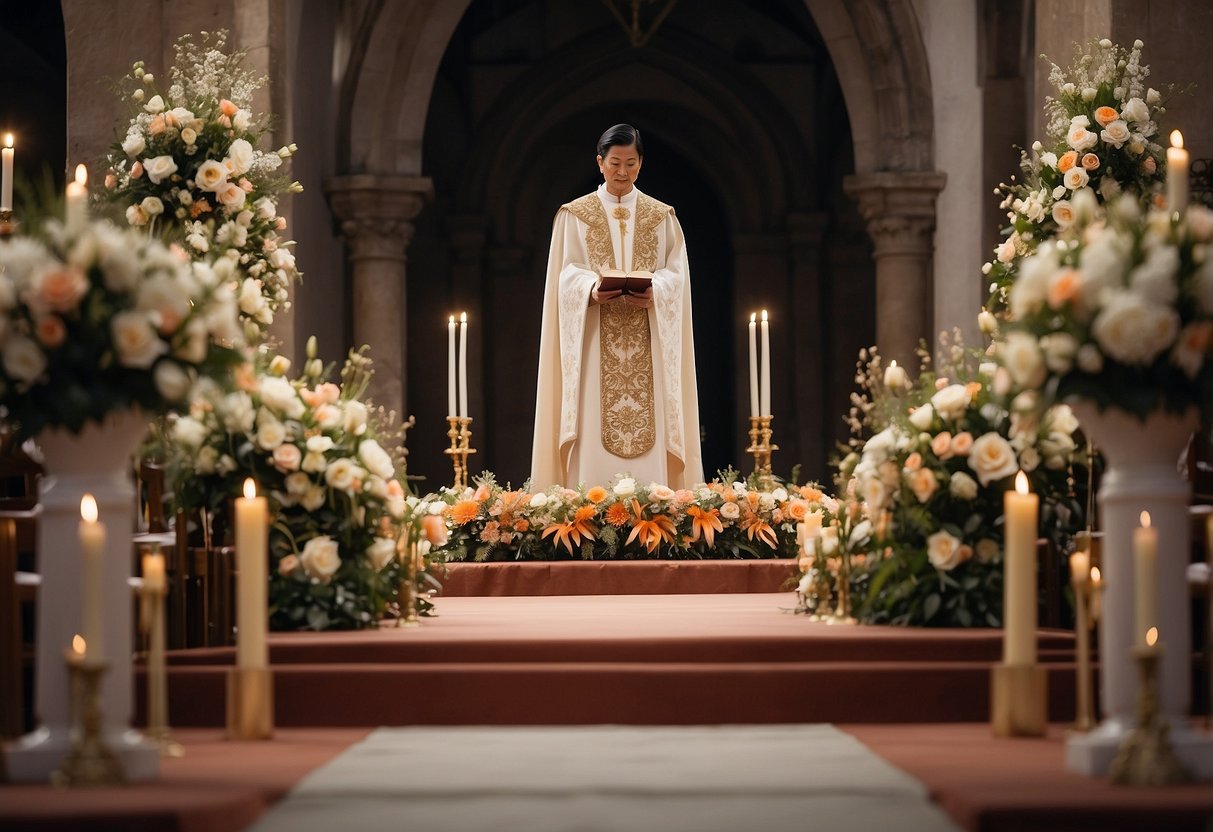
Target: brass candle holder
x=90, y=762
x=460, y=434
x=410, y=551
x=842, y=609
x=8, y=225
x=250, y=703
x=1018, y=700
x=1146, y=757
x=1084, y=719
x=761, y=448
x=152, y=621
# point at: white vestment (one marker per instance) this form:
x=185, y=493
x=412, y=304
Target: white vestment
x=644, y=421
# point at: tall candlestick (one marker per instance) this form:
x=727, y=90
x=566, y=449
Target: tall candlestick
x=76, y=210
x=463, y=364
x=6, y=175
x=92, y=545
x=1177, y=174
x=451, y=407
x=766, y=367
x=1145, y=576
x=252, y=542
x=754, y=414
x=1019, y=584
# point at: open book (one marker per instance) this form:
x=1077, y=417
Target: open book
x=630, y=283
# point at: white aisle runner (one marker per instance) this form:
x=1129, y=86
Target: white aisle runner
x=605, y=778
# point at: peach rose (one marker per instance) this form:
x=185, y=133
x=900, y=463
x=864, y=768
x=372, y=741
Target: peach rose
x=60, y=289
x=51, y=331
x=288, y=565
x=232, y=196
x=1105, y=116
x=434, y=528
x=287, y=458
x=1149, y=166
x=227, y=108
x=797, y=510
x=1090, y=161
x=913, y=462
x=1068, y=160
x=962, y=444
x=923, y=484
x=596, y=494
x=941, y=445
x=136, y=170
x=1064, y=287
x=156, y=125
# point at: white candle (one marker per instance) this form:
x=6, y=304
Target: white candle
x=895, y=377
x=92, y=545
x=766, y=366
x=1096, y=594
x=153, y=572
x=463, y=364
x=450, y=368
x=1177, y=174
x=754, y=365
x=76, y=213
x=812, y=525
x=1145, y=576
x=6, y=175
x=252, y=542
x=1019, y=583
x=1080, y=568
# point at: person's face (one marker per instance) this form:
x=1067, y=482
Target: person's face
x=619, y=168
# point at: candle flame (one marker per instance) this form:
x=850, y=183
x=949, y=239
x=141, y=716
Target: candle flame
x=81, y=175
x=463, y=317
x=1151, y=636
x=78, y=644
x=1094, y=574
x=1145, y=519
x=250, y=488
x=1021, y=483
x=1177, y=139
x=753, y=317
x=452, y=320
x=8, y=139
x=893, y=363
x=764, y=314
x=88, y=509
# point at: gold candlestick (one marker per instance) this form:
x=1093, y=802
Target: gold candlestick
x=1084, y=719
x=8, y=225
x=460, y=434
x=1019, y=698
x=408, y=586
x=90, y=761
x=761, y=448
x=157, y=685
x=842, y=611
x=1145, y=757
x=250, y=703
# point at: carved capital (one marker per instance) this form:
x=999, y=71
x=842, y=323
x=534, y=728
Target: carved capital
x=375, y=213
x=899, y=209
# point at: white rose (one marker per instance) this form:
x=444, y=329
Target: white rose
x=355, y=417
x=270, y=434
x=135, y=340
x=298, y=482
x=211, y=176
x=232, y=196
x=1022, y=357
x=1115, y=134
x=962, y=486
x=1029, y=459
x=381, y=552
x=944, y=551
x=266, y=208
x=136, y=216
x=626, y=487
x=319, y=444
x=780, y=495
x=1063, y=213
x=152, y=206
x=154, y=105
x=1057, y=448
x=874, y=492
x=241, y=120
x=342, y=474
x=1135, y=110
x=987, y=323
x=922, y=417
x=1154, y=278
x=1075, y=178
x=1152, y=96
x=1080, y=138
x=951, y=401
x=539, y=500
x=240, y=157
x=189, y=135
x=236, y=411
x=320, y=558
x=1089, y=93
x=159, y=168
x=730, y=511
x=992, y=458
x=1049, y=158
x=287, y=458
x=313, y=499
x=190, y=432
x=376, y=459
x=1134, y=331
x=278, y=394
x=1059, y=349
x=134, y=144
x=171, y=380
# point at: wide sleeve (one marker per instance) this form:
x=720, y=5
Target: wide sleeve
x=565, y=299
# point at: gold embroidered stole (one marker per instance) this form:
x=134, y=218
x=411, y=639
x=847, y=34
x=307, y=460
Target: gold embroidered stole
x=629, y=417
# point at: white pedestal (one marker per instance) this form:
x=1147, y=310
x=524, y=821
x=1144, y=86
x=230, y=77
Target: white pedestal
x=97, y=461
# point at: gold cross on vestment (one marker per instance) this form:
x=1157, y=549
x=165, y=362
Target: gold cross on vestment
x=622, y=215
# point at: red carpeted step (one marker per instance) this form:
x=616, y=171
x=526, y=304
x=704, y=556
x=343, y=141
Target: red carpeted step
x=640, y=577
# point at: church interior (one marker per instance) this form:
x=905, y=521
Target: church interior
x=271, y=560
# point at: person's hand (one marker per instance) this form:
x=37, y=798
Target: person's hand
x=642, y=300
x=597, y=296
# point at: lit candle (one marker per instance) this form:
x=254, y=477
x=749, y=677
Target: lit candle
x=1096, y=594
x=1019, y=564
x=76, y=213
x=895, y=377
x=6, y=175
x=812, y=524
x=463, y=364
x=1177, y=174
x=766, y=367
x=252, y=541
x=754, y=365
x=1152, y=637
x=153, y=572
x=1145, y=575
x=1080, y=568
x=450, y=368
x=92, y=545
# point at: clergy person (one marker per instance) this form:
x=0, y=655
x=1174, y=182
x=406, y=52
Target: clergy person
x=616, y=393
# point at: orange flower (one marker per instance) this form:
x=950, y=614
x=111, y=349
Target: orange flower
x=1105, y=116
x=1090, y=161
x=1064, y=288
x=1068, y=160
x=810, y=493
x=704, y=523
x=435, y=529
x=596, y=494
x=973, y=388
x=752, y=498
x=796, y=509
x=617, y=514
x=572, y=531
x=522, y=525
x=651, y=532
x=463, y=512
x=200, y=206
x=757, y=527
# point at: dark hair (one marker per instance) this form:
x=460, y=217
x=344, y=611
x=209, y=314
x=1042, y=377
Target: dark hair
x=622, y=135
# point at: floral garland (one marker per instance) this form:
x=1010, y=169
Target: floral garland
x=727, y=518
x=930, y=477
x=1119, y=311
x=1100, y=139
x=314, y=448
x=188, y=169
x=96, y=319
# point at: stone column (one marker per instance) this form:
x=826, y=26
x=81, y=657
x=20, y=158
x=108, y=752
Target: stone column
x=899, y=209
x=809, y=336
x=375, y=214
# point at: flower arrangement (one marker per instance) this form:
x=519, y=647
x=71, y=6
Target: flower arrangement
x=727, y=518
x=931, y=474
x=188, y=169
x=1118, y=311
x=94, y=319
x=1099, y=138
x=315, y=450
